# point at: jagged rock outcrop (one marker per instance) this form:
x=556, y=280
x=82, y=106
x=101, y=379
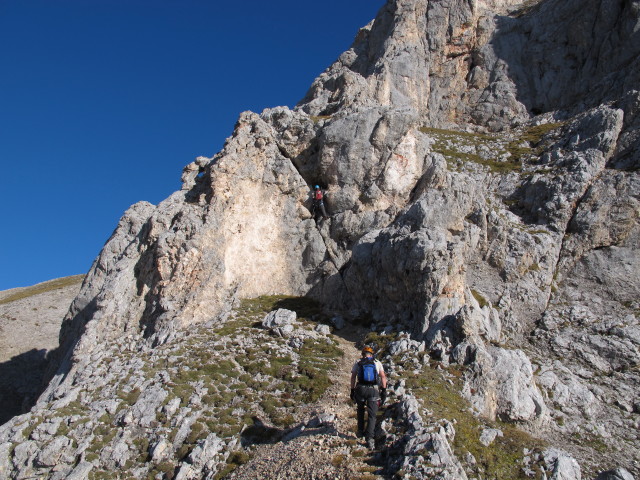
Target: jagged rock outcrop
x=481, y=167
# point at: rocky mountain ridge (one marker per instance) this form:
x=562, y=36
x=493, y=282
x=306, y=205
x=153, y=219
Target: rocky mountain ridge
x=481, y=167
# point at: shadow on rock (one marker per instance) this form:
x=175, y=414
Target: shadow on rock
x=259, y=433
x=21, y=383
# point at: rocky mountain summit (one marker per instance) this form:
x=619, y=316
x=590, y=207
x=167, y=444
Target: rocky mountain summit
x=480, y=161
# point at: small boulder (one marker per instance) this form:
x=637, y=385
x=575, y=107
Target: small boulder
x=617, y=474
x=279, y=318
x=296, y=342
x=160, y=450
x=293, y=433
x=488, y=436
x=338, y=322
x=323, y=329
x=561, y=465
x=280, y=322
x=206, y=450
x=50, y=455
x=81, y=471
x=322, y=420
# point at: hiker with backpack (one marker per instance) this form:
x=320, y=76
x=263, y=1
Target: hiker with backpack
x=318, y=202
x=366, y=375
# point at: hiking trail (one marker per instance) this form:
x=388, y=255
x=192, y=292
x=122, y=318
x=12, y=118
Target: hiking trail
x=323, y=453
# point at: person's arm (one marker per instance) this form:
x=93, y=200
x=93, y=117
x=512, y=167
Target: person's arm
x=383, y=379
x=352, y=395
x=381, y=374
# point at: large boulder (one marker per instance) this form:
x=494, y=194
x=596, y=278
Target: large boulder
x=500, y=384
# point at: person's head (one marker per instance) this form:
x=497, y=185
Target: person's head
x=367, y=352
x=316, y=187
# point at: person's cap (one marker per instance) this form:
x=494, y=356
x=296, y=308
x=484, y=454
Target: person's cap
x=366, y=350
x=317, y=186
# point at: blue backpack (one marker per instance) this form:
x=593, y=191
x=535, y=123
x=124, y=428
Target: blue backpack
x=367, y=371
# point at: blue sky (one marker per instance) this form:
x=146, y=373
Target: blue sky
x=102, y=102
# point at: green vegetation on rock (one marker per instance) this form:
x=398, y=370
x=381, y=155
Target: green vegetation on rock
x=500, y=154
x=214, y=378
x=439, y=390
x=483, y=302
x=42, y=288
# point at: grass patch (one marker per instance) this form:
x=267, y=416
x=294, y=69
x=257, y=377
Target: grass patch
x=91, y=457
x=234, y=461
x=43, y=288
x=299, y=382
x=73, y=408
x=532, y=136
x=198, y=431
x=467, y=135
x=231, y=380
x=459, y=148
x=28, y=430
x=142, y=446
x=503, y=458
x=102, y=475
x=233, y=326
x=166, y=469
x=592, y=441
x=183, y=392
x=283, y=420
x=534, y=267
x=483, y=302
x=368, y=468
x=318, y=118
x=317, y=359
x=130, y=397
x=380, y=342
x=260, y=376
x=456, y=148
x=63, y=429
x=501, y=167
x=103, y=435
x=303, y=306
x=338, y=460
x=526, y=8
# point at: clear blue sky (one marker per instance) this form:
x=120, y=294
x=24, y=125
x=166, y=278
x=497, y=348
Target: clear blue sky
x=102, y=102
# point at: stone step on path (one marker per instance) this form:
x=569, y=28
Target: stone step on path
x=332, y=452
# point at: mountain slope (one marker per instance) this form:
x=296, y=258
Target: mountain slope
x=30, y=320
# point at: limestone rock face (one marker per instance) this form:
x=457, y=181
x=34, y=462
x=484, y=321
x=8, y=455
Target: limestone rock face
x=502, y=384
x=480, y=162
x=237, y=232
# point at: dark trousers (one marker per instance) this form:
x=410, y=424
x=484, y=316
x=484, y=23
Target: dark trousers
x=318, y=206
x=367, y=396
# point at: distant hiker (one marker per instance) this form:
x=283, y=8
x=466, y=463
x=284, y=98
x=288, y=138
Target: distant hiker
x=318, y=202
x=366, y=375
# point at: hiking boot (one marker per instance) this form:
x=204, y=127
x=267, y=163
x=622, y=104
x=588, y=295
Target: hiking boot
x=371, y=444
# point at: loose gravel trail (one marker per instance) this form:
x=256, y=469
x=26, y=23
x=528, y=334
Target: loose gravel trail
x=330, y=452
